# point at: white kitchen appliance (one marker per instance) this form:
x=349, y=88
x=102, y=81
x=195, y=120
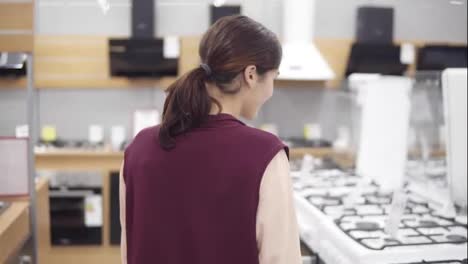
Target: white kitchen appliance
x=302, y=60
x=454, y=82
x=344, y=231
x=384, y=130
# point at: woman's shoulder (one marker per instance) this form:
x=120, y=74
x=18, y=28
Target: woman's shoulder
x=260, y=134
x=258, y=138
x=144, y=137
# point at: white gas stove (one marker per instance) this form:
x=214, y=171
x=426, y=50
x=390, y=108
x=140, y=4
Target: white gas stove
x=465, y=261
x=348, y=228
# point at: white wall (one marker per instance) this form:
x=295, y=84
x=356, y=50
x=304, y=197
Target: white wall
x=430, y=20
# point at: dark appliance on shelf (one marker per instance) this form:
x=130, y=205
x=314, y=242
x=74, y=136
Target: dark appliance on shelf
x=115, y=228
x=12, y=64
x=375, y=25
x=376, y=58
x=141, y=55
x=140, y=58
x=72, y=212
x=218, y=12
x=439, y=58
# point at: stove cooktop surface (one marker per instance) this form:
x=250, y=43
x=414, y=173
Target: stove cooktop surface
x=442, y=262
x=363, y=220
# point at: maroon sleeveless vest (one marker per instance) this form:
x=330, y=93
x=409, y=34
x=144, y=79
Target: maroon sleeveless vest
x=196, y=204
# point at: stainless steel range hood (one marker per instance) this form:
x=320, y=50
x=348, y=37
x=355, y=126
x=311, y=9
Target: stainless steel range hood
x=301, y=58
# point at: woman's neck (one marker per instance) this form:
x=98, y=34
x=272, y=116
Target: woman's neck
x=231, y=104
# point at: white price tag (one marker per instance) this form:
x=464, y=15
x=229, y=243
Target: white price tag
x=408, y=53
x=171, y=49
x=96, y=134
x=22, y=131
x=93, y=211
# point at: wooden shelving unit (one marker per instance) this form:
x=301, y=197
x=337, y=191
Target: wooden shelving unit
x=71, y=61
x=16, y=34
x=17, y=25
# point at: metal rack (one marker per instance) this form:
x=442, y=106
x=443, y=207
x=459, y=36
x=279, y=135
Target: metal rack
x=31, y=106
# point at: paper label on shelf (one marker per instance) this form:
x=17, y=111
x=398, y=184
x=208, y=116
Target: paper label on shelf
x=117, y=137
x=49, y=133
x=93, y=211
x=3, y=58
x=22, y=131
x=171, y=49
x=96, y=134
x=312, y=131
x=408, y=53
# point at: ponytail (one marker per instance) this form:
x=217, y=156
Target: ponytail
x=187, y=105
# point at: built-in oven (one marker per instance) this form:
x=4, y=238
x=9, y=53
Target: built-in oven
x=76, y=213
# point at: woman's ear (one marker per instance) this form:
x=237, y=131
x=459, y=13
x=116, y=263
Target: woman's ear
x=251, y=76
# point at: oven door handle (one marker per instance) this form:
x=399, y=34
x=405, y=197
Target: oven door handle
x=70, y=194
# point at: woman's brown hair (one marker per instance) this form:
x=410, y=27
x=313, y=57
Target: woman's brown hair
x=227, y=48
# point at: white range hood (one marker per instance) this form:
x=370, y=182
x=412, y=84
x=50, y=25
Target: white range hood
x=301, y=58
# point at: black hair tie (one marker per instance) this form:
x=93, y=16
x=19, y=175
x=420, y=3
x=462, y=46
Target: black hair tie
x=206, y=68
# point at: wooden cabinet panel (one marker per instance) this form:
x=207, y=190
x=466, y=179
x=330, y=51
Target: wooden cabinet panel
x=16, y=25
x=16, y=83
x=336, y=52
x=16, y=15
x=16, y=42
x=70, y=46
